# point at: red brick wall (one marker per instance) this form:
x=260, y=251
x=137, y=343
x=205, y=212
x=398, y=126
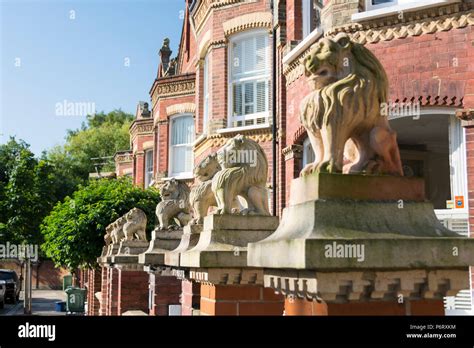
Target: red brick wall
x=166, y=291
x=190, y=296
x=132, y=291
x=240, y=300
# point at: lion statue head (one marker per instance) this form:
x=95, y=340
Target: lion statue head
x=174, y=189
x=349, y=88
x=207, y=168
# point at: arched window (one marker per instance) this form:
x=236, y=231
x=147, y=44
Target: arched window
x=181, y=146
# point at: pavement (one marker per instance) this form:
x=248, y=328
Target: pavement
x=43, y=303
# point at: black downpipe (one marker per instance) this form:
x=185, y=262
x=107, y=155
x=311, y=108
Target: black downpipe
x=274, y=112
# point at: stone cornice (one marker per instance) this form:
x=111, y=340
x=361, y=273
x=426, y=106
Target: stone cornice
x=177, y=85
x=141, y=127
x=292, y=151
x=123, y=156
x=465, y=115
x=219, y=139
x=370, y=33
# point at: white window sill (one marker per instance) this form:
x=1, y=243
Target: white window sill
x=302, y=46
x=395, y=9
x=200, y=139
x=243, y=128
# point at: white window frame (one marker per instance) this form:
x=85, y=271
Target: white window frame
x=307, y=147
x=206, y=94
x=178, y=175
x=148, y=173
x=369, y=6
x=396, y=7
x=263, y=77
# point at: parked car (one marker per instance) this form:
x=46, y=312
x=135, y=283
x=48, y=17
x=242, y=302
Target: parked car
x=13, y=285
x=3, y=289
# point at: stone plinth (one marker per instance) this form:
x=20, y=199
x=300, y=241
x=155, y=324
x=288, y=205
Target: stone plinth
x=128, y=252
x=188, y=241
x=223, y=241
x=356, y=238
x=161, y=242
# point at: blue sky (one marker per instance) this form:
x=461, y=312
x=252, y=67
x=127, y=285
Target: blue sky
x=47, y=56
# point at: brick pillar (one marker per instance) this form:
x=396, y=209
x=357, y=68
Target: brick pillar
x=112, y=292
x=132, y=291
x=372, y=308
x=94, y=285
x=240, y=300
x=140, y=169
x=104, y=291
x=164, y=291
x=190, y=296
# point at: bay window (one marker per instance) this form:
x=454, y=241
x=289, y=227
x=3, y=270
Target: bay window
x=249, y=79
x=181, y=146
x=206, y=90
x=148, y=167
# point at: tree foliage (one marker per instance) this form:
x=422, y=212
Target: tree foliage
x=27, y=193
x=74, y=231
x=102, y=136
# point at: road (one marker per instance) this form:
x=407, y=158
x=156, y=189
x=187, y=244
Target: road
x=43, y=303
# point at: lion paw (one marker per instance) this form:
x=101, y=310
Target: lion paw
x=309, y=169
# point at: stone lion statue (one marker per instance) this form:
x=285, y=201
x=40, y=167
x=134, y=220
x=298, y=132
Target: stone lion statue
x=108, y=234
x=135, y=227
x=244, y=173
x=117, y=232
x=202, y=197
x=344, y=110
x=174, y=204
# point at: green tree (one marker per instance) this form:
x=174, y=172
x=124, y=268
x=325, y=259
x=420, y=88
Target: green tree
x=26, y=193
x=102, y=136
x=74, y=231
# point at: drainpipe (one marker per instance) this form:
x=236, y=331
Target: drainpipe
x=274, y=111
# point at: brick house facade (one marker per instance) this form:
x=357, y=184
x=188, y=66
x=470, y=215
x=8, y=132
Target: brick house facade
x=220, y=85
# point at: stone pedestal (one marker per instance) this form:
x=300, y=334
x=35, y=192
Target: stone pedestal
x=223, y=241
x=362, y=239
x=189, y=239
x=128, y=251
x=161, y=242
